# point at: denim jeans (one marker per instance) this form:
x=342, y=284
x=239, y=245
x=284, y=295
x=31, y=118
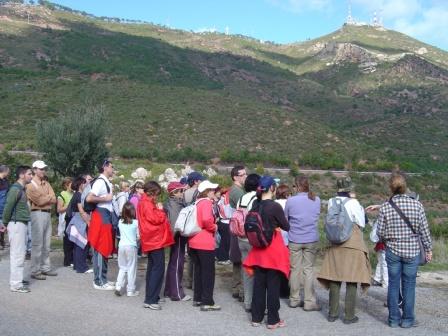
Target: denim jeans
x=402, y=271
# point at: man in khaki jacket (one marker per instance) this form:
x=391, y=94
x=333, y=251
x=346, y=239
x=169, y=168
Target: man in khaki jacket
x=41, y=197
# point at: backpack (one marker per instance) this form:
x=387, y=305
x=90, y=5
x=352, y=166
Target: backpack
x=236, y=224
x=338, y=224
x=187, y=221
x=90, y=206
x=256, y=232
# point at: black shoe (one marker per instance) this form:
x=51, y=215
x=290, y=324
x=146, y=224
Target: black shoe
x=332, y=318
x=28, y=256
x=353, y=320
x=236, y=295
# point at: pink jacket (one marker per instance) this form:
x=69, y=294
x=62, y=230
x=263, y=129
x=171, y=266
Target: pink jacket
x=204, y=240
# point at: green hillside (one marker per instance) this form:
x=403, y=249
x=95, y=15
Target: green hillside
x=361, y=97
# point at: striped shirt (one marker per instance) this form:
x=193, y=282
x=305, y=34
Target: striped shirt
x=394, y=231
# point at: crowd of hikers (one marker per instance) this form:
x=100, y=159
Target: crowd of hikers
x=266, y=230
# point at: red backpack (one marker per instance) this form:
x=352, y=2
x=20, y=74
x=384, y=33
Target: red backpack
x=238, y=218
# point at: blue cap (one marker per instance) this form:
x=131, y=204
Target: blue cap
x=184, y=180
x=266, y=182
x=195, y=176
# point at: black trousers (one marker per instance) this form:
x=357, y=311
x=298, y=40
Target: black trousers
x=222, y=252
x=80, y=259
x=155, y=272
x=266, y=288
x=68, y=251
x=204, y=275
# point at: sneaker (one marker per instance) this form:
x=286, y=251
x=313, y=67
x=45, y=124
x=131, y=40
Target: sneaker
x=38, y=276
x=153, y=306
x=295, y=304
x=214, y=307
x=21, y=290
x=117, y=291
x=134, y=293
x=332, y=318
x=88, y=271
x=186, y=298
x=106, y=287
x=50, y=273
x=312, y=307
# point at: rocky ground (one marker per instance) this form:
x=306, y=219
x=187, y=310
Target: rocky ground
x=68, y=305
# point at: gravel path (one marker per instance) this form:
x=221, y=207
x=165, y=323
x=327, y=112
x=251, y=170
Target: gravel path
x=68, y=305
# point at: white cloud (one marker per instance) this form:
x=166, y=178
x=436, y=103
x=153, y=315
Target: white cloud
x=298, y=6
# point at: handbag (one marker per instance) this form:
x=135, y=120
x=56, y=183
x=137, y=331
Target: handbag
x=422, y=255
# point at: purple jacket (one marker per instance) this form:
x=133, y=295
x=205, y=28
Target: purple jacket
x=303, y=216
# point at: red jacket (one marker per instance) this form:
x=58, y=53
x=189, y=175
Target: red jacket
x=153, y=224
x=204, y=240
x=275, y=256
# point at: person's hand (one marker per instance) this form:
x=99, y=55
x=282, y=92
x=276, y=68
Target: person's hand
x=429, y=256
x=2, y=228
x=372, y=208
x=160, y=206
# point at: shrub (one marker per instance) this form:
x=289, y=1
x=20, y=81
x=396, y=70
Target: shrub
x=74, y=142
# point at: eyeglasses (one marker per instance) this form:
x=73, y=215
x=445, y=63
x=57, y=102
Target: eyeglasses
x=241, y=175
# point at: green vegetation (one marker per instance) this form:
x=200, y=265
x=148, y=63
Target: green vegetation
x=173, y=95
x=74, y=142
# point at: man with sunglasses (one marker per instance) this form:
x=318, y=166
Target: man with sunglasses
x=42, y=198
x=100, y=228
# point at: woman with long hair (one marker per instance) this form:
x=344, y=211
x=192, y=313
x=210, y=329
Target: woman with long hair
x=155, y=235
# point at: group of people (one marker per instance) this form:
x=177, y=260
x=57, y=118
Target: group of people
x=94, y=218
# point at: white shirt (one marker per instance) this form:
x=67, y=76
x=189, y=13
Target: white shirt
x=354, y=210
x=99, y=189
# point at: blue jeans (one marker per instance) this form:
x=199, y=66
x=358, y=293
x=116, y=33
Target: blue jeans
x=402, y=271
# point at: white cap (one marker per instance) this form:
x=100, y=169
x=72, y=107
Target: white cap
x=39, y=164
x=204, y=185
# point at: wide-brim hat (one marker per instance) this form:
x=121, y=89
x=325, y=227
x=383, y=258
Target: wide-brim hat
x=204, y=185
x=344, y=184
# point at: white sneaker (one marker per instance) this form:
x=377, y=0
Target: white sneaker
x=106, y=286
x=134, y=293
x=88, y=271
x=186, y=298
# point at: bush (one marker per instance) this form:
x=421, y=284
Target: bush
x=74, y=142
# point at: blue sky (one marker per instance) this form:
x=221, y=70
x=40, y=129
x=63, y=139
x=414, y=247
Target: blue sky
x=281, y=21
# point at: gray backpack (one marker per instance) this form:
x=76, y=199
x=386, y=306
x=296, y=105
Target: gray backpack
x=338, y=225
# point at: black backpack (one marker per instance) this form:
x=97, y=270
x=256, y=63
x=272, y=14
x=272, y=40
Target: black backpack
x=90, y=206
x=256, y=232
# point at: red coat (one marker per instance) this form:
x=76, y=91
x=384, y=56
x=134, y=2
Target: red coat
x=275, y=256
x=153, y=224
x=205, y=239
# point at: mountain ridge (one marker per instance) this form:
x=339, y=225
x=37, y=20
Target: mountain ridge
x=341, y=95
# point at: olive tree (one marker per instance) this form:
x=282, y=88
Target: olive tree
x=74, y=142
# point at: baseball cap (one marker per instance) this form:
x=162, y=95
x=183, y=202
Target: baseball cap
x=195, y=176
x=175, y=186
x=39, y=164
x=204, y=185
x=266, y=182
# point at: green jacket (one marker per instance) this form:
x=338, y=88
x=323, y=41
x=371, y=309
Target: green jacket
x=22, y=211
